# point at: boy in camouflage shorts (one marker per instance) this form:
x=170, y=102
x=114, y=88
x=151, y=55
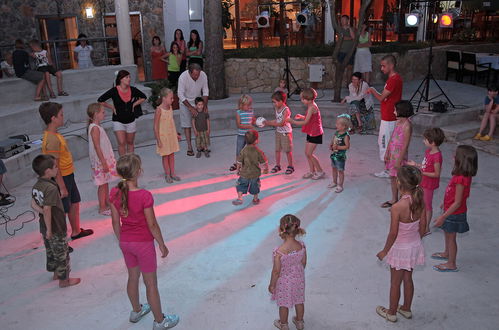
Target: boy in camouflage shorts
x=46, y=200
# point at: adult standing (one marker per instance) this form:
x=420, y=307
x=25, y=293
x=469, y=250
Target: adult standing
x=178, y=37
x=391, y=94
x=363, y=56
x=158, y=59
x=195, y=49
x=125, y=100
x=191, y=84
x=20, y=60
x=346, y=45
x=83, y=52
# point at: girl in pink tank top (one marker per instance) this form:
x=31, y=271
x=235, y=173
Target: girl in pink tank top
x=311, y=125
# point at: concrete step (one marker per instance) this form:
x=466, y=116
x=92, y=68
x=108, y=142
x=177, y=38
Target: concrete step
x=423, y=120
x=459, y=132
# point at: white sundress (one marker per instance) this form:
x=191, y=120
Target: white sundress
x=99, y=176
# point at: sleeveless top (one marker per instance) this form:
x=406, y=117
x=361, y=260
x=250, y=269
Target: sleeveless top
x=339, y=140
x=246, y=118
x=314, y=126
x=192, y=49
x=363, y=40
x=173, y=64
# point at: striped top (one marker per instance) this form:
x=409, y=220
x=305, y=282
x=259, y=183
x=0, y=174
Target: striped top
x=246, y=118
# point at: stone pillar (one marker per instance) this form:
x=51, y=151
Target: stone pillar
x=124, y=31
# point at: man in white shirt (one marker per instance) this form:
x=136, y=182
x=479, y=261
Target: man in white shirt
x=191, y=84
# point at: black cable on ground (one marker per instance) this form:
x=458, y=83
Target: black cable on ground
x=5, y=219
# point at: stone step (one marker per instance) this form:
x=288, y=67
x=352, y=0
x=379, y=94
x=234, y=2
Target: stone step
x=423, y=120
x=459, y=132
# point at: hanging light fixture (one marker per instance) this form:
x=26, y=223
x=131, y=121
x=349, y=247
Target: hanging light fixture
x=89, y=12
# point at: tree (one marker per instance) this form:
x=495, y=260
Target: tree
x=213, y=48
x=341, y=66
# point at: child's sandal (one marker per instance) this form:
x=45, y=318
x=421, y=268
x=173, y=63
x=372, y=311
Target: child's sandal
x=276, y=169
x=63, y=93
x=290, y=170
x=233, y=168
x=300, y=325
x=281, y=326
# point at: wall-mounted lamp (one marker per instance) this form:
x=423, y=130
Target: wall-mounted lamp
x=89, y=12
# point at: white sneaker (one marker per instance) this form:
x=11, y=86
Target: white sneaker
x=382, y=174
x=168, y=322
x=318, y=175
x=136, y=316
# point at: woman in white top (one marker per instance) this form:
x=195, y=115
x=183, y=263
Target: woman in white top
x=83, y=53
x=358, y=95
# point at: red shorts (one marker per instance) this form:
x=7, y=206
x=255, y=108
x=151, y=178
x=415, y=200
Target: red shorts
x=142, y=254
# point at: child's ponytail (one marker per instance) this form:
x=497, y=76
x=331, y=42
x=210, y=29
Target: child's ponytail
x=128, y=167
x=290, y=226
x=409, y=178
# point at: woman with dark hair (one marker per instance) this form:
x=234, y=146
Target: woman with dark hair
x=158, y=59
x=83, y=52
x=360, y=104
x=125, y=107
x=195, y=49
x=178, y=37
x=174, y=61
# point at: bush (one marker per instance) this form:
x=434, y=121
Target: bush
x=156, y=87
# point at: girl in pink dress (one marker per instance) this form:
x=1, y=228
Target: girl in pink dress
x=398, y=146
x=287, y=283
x=403, y=248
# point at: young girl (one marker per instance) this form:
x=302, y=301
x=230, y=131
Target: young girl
x=339, y=146
x=431, y=169
x=194, y=49
x=83, y=53
x=101, y=155
x=398, y=146
x=245, y=119
x=136, y=233
x=166, y=134
x=404, y=248
x=178, y=37
x=174, y=61
x=287, y=283
x=453, y=220
x=312, y=126
x=282, y=87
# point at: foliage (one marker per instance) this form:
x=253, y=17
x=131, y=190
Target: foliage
x=466, y=34
x=156, y=87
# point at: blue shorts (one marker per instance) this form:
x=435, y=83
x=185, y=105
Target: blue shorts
x=244, y=185
x=338, y=164
x=73, y=193
x=456, y=223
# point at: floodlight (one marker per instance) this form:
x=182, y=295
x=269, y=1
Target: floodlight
x=303, y=18
x=446, y=20
x=412, y=19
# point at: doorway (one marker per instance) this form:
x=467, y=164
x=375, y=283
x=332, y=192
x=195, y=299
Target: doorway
x=59, y=28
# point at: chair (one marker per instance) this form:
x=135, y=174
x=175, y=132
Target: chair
x=453, y=64
x=469, y=66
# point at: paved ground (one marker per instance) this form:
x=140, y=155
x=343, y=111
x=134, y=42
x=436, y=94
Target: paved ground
x=217, y=274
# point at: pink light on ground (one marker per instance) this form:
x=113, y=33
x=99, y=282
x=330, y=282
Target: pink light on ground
x=191, y=185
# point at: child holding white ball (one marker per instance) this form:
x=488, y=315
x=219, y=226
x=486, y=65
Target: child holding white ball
x=283, y=133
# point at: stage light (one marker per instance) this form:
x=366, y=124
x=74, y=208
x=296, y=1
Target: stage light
x=303, y=18
x=89, y=12
x=263, y=21
x=434, y=18
x=411, y=20
x=446, y=20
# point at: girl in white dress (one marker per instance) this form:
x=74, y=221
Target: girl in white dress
x=83, y=53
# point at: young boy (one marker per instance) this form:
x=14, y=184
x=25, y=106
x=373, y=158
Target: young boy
x=283, y=132
x=44, y=64
x=248, y=168
x=54, y=144
x=339, y=146
x=491, y=103
x=46, y=200
x=201, y=126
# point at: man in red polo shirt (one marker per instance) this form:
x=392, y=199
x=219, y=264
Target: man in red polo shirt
x=391, y=94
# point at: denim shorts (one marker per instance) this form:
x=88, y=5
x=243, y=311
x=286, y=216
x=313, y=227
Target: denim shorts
x=243, y=185
x=240, y=143
x=338, y=164
x=456, y=223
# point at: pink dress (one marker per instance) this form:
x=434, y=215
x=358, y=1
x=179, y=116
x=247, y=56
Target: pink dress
x=394, y=148
x=407, y=251
x=290, y=287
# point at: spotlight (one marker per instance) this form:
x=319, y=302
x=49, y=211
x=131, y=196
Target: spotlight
x=303, y=18
x=412, y=20
x=446, y=20
x=434, y=18
x=262, y=21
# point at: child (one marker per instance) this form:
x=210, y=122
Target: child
x=453, y=220
x=312, y=126
x=101, y=155
x=46, y=200
x=5, y=199
x=166, y=134
x=287, y=283
x=201, y=126
x=174, y=62
x=491, y=110
x=282, y=87
x=431, y=169
x=7, y=66
x=248, y=169
x=398, y=146
x=136, y=234
x=404, y=248
x=245, y=120
x=83, y=52
x=44, y=64
x=54, y=144
x=283, y=132
x=339, y=146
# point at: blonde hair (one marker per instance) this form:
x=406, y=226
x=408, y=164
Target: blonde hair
x=162, y=93
x=309, y=94
x=128, y=167
x=290, y=226
x=409, y=178
x=245, y=99
x=92, y=109
x=345, y=121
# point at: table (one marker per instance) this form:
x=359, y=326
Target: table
x=493, y=59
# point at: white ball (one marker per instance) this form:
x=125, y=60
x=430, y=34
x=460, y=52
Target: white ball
x=260, y=121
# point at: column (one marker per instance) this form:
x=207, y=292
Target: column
x=124, y=31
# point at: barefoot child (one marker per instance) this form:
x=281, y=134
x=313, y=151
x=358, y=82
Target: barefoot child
x=404, y=248
x=287, y=283
x=339, y=146
x=101, y=155
x=431, y=169
x=283, y=132
x=248, y=168
x=46, y=200
x=166, y=134
x=398, y=146
x=135, y=226
x=245, y=119
x=312, y=126
x=201, y=126
x=454, y=220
